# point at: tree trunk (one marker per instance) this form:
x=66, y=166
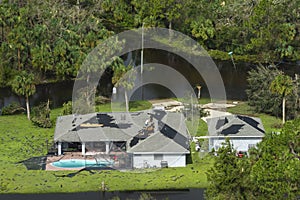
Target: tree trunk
x=78, y=10
x=19, y=59
x=199, y=92
x=283, y=110
x=28, y=108
x=170, y=31
x=48, y=110
x=296, y=93
x=2, y=32
x=126, y=101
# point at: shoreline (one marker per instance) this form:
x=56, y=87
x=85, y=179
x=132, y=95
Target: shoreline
x=112, y=191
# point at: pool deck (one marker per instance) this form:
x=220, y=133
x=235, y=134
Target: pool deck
x=51, y=159
x=66, y=156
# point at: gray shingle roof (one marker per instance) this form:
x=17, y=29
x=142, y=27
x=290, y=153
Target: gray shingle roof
x=158, y=143
x=235, y=126
x=170, y=133
x=116, y=127
x=65, y=125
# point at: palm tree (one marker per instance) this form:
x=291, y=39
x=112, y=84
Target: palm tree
x=23, y=85
x=121, y=78
x=282, y=85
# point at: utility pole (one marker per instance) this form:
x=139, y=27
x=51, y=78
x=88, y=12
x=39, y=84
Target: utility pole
x=192, y=109
x=142, y=61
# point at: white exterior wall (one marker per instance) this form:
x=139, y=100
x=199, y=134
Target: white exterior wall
x=240, y=144
x=59, y=148
x=147, y=160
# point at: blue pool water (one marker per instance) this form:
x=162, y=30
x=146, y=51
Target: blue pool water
x=77, y=163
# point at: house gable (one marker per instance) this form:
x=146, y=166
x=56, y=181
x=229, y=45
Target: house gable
x=235, y=126
x=244, y=132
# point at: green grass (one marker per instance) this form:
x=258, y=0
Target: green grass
x=22, y=181
x=21, y=140
x=270, y=123
x=242, y=108
x=139, y=105
x=200, y=130
x=201, y=101
x=204, y=100
x=117, y=107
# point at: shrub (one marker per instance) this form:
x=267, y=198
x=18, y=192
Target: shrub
x=101, y=100
x=67, y=108
x=3, y=186
x=277, y=125
x=41, y=116
x=13, y=108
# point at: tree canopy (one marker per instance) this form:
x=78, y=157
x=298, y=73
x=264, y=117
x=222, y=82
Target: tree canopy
x=23, y=85
x=51, y=38
x=282, y=85
x=268, y=87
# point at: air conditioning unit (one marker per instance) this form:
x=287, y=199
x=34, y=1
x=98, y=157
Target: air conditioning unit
x=164, y=164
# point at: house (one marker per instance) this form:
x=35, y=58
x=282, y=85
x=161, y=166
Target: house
x=151, y=138
x=244, y=132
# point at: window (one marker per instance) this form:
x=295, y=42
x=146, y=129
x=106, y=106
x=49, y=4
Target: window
x=158, y=157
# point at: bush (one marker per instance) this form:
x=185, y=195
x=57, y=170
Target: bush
x=67, y=108
x=13, y=108
x=41, y=116
x=101, y=100
x=277, y=125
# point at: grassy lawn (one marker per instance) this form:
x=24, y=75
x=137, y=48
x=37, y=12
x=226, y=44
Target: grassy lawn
x=133, y=106
x=204, y=100
x=200, y=130
x=22, y=181
x=21, y=140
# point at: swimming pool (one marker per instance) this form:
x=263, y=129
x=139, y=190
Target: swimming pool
x=77, y=163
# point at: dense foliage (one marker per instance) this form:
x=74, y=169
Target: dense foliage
x=51, y=38
x=228, y=177
x=263, y=99
x=275, y=171
x=67, y=106
x=271, y=172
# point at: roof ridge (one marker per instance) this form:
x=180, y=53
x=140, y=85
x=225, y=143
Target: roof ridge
x=156, y=134
x=143, y=141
